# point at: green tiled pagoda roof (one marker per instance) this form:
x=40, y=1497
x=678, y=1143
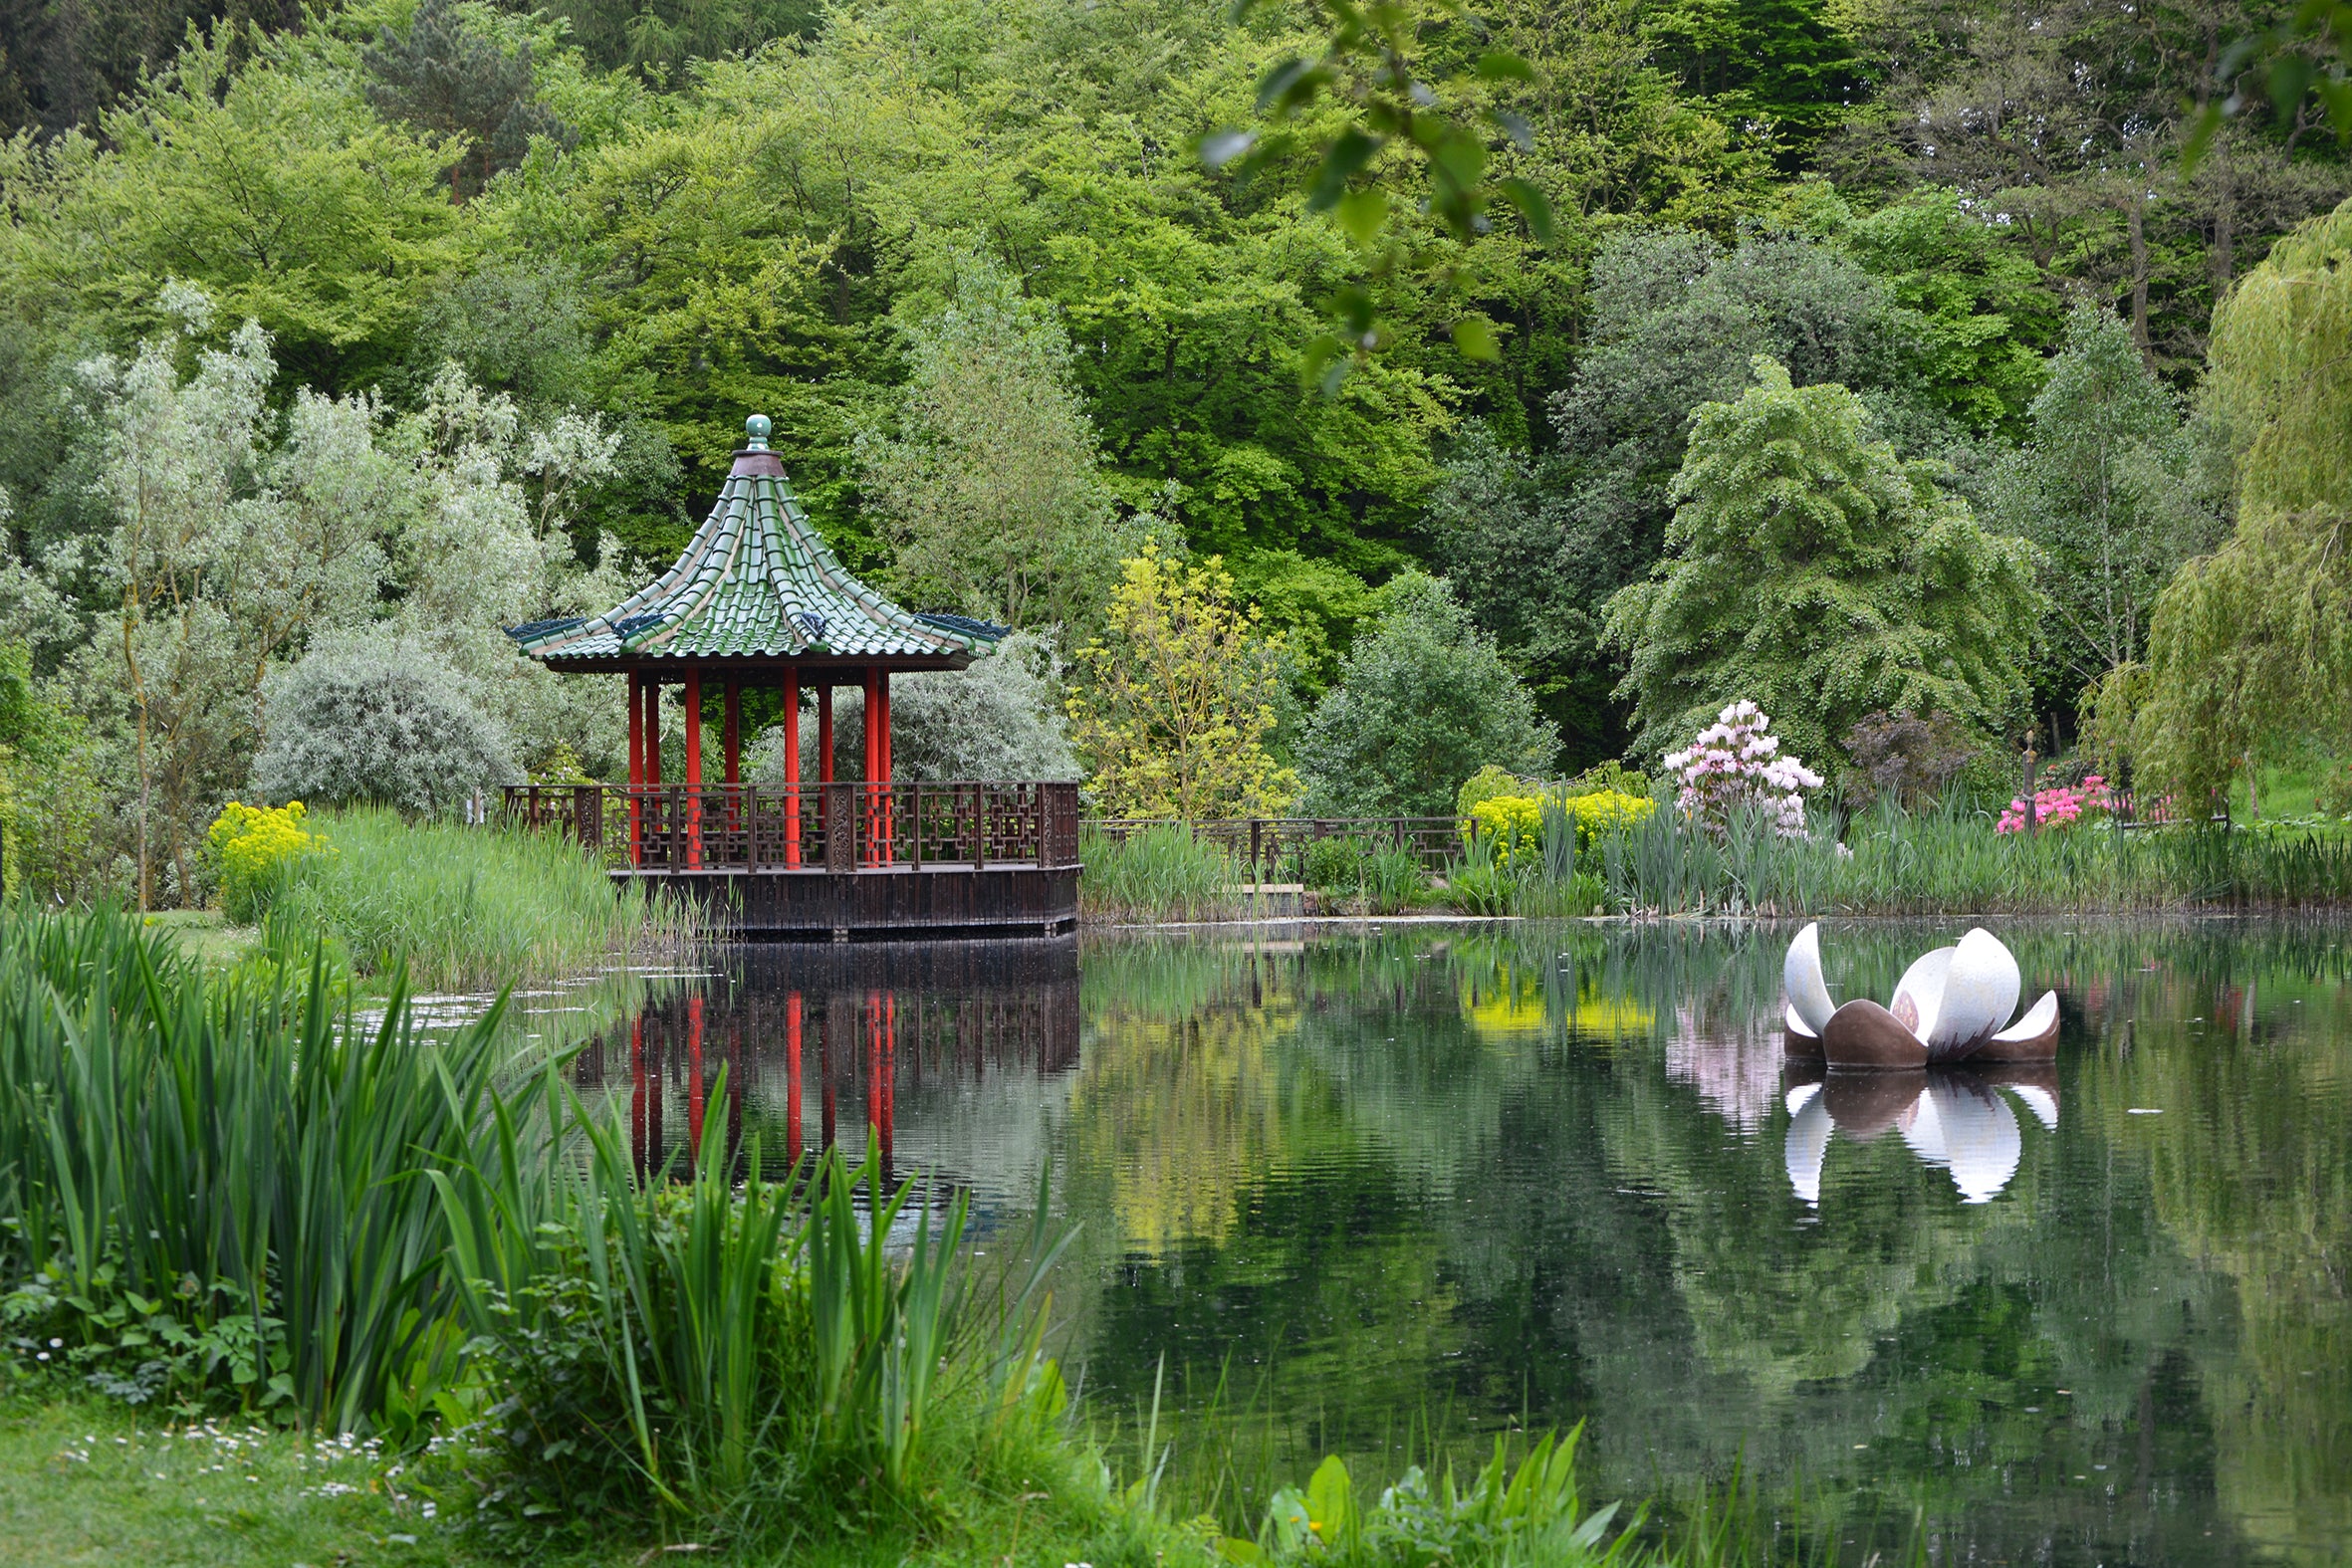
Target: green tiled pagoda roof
x=756, y=582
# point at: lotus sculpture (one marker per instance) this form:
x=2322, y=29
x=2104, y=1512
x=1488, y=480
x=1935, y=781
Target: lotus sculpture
x=1952, y=1005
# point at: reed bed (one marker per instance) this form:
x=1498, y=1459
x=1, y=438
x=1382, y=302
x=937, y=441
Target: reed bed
x=1157, y=874
x=1948, y=860
x=469, y=908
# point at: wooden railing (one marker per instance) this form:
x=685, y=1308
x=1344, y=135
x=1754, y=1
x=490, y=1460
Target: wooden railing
x=841, y=828
x=1272, y=845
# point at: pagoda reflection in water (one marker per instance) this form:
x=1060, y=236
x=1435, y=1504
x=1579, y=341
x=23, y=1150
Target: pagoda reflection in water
x=818, y=1043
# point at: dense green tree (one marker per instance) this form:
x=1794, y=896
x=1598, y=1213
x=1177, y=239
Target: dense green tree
x=443, y=77
x=1814, y=572
x=1788, y=69
x=989, y=486
x=2250, y=647
x=271, y=185
x=2108, y=486
x=64, y=62
x=1423, y=702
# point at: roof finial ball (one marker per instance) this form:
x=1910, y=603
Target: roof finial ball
x=755, y=427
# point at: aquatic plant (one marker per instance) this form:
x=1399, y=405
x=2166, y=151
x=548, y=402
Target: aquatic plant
x=1158, y=873
x=470, y=907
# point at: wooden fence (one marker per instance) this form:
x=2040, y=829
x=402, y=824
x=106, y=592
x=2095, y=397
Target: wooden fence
x=1273, y=846
x=841, y=826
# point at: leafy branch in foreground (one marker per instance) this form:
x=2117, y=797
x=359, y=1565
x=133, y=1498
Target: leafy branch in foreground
x=1376, y=69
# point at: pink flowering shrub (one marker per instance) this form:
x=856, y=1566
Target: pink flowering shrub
x=2060, y=805
x=1734, y=762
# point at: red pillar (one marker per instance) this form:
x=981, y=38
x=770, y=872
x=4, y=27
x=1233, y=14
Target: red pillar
x=867, y=757
x=694, y=768
x=873, y=1062
x=791, y=764
x=636, y=766
x=881, y=705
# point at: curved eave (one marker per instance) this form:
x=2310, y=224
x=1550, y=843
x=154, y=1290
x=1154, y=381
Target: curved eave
x=748, y=663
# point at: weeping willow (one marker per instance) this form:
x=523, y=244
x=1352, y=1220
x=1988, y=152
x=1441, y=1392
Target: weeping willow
x=2250, y=647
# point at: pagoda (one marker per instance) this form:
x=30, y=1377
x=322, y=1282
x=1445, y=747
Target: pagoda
x=758, y=598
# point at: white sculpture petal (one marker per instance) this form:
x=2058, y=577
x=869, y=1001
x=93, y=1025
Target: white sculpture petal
x=1979, y=993
x=2042, y=1103
x=1978, y=1135
x=1797, y=1025
x=1919, y=995
x=2037, y=1018
x=1923, y=1129
x=1808, y=1143
x=1800, y=976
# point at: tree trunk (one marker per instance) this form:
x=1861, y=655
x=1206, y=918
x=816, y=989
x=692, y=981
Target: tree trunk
x=2139, y=237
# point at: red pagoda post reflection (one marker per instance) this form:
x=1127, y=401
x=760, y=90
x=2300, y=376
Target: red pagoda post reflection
x=694, y=1078
x=637, y=1090
x=792, y=1076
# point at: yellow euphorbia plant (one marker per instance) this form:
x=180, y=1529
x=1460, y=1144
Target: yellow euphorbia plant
x=253, y=847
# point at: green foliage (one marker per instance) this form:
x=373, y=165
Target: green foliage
x=269, y=184
x=1423, y=699
x=380, y=722
x=470, y=908
x=446, y=79
x=2107, y=488
x=2250, y=647
x=990, y=488
x=1531, y=1513
x=1158, y=873
x=1814, y=572
x=213, y=1193
x=1176, y=704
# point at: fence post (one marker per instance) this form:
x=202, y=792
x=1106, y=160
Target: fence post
x=2030, y=826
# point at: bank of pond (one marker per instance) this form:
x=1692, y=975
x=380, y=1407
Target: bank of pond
x=286, y=1272
x=1240, y=1242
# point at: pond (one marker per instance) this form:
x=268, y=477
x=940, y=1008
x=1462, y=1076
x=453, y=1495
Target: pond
x=1389, y=1192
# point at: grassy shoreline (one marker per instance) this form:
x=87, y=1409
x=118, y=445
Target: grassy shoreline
x=1941, y=863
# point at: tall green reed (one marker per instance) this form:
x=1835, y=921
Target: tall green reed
x=1159, y=873
x=1947, y=860
x=471, y=907
x=715, y=1335
x=225, y=1185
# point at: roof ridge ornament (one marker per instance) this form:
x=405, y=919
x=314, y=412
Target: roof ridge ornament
x=755, y=431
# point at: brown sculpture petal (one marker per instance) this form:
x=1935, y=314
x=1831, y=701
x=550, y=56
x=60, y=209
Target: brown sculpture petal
x=1864, y=1036
x=2034, y=1037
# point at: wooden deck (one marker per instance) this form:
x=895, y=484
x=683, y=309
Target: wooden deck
x=836, y=861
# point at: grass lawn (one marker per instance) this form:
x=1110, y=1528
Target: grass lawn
x=206, y=935
x=89, y=1481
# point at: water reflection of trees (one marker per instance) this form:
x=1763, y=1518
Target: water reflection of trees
x=1533, y=1174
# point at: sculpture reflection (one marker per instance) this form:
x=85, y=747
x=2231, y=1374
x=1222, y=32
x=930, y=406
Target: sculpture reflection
x=1954, y=1119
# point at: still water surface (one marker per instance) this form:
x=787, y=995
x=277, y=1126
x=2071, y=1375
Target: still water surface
x=1371, y=1191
